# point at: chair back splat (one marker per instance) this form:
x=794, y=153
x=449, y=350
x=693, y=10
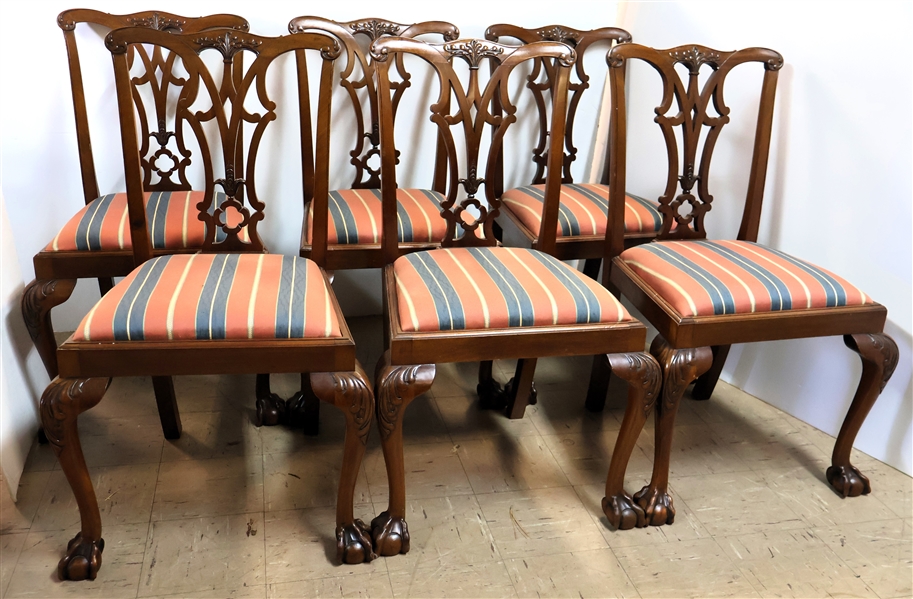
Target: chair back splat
x=468, y=110
x=230, y=202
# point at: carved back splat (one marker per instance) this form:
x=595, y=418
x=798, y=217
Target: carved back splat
x=694, y=101
x=358, y=74
x=157, y=158
x=541, y=78
x=473, y=115
x=230, y=210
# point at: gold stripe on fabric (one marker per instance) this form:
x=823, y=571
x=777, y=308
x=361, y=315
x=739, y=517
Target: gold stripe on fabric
x=291, y=296
x=184, y=222
x=485, y=312
x=215, y=293
x=424, y=214
x=252, y=303
x=133, y=302
x=708, y=258
x=169, y=321
x=669, y=281
x=97, y=207
x=485, y=256
x=404, y=293
x=345, y=227
x=640, y=222
x=122, y=227
x=328, y=311
x=370, y=215
x=583, y=206
x=548, y=292
x=86, y=329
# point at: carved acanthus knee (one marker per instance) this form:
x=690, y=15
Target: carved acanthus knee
x=38, y=298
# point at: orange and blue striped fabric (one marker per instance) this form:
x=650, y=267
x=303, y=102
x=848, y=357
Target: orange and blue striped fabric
x=583, y=209
x=104, y=223
x=215, y=296
x=356, y=215
x=704, y=278
x=496, y=287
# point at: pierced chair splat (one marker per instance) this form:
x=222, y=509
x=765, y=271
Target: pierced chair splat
x=703, y=295
x=472, y=299
x=230, y=308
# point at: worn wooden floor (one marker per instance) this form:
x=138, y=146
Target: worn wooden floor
x=498, y=508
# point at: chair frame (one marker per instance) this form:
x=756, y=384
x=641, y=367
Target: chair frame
x=407, y=367
x=356, y=256
x=86, y=367
x=56, y=272
x=695, y=348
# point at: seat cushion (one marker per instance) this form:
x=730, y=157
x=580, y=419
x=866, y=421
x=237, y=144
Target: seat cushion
x=355, y=216
x=104, y=224
x=488, y=288
x=705, y=278
x=215, y=296
x=583, y=209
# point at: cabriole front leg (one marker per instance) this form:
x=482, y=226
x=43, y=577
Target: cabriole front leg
x=879, y=358
x=396, y=387
x=62, y=402
x=642, y=373
x=351, y=393
x=37, y=300
x=680, y=367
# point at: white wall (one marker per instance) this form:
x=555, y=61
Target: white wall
x=838, y=186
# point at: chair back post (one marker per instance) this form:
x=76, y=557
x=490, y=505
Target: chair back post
x=693, y=102
x=322, y=161
x=616, y=171
x=548, y=227
x=751, y=217
x=475, y=113
x=231, y=216
x=69, y=19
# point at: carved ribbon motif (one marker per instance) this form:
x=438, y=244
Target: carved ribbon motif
x=694, y=57
x=156, y=21
x=557, y=33
x=473, y=52
x=375, y=29
x=229, y=44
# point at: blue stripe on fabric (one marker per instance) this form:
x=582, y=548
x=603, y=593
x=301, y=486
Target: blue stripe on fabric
x=157, y=217
x=130, y=314
x=585, y=301
x=216, y=326
x=780, y=297
x=220, y=198
x=720, y=297
x=296, y=317
x=447, y=302
x=651, y=207
x=207, y=293
x=520, y=311
x=88, y=232
x=286, y=287
x=404, y=226
x=835, y=293
x=343, y=219
x=602, y=202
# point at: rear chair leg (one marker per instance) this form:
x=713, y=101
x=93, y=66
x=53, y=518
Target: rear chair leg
x=521, y=390
x=61, y=403
x=680, y=367
x=704, y=385
x=642, y=373
x=303, y=408
x=396, y=387
x=491, y=394
x=270, y=407
x=879, y=358
x=37, y=300
x=600, y=377
x=168, y=406
x=351, y=393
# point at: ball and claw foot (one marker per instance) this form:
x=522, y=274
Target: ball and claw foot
x=82, y=561
x=848, y=481
x=391, y=535
x=270, y=410
x=623, y=513
x=353, y=543
x=491, y=395
x=657, y=506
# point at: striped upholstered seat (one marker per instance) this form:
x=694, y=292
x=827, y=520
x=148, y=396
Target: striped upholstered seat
x=583, y=209
x=704, y=278
x=496, y=287
x=215, y=296
x=104, y=224
x=355, y=216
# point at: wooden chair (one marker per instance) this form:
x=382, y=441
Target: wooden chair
x=471, y=299
x=96, y=241
x=584, y=206
x=705, y=295
x=233, y=308
x=355, y=213
x=106, y=252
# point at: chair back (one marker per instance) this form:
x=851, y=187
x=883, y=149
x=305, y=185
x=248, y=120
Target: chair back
x=541, y=79
x=154, y=121
x=357, y=78
x=463, y=108
x=699, y=110
x=228, y=153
